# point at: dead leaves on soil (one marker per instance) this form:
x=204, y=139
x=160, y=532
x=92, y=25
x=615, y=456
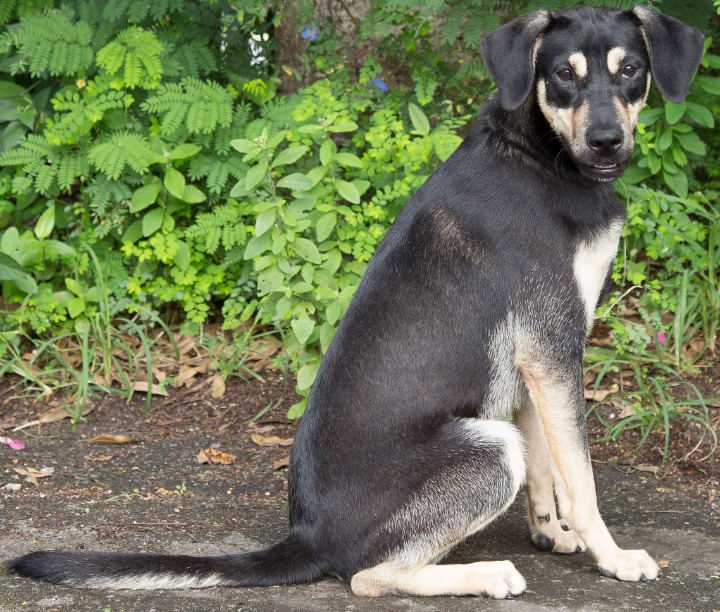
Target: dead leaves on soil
x=58, y=414
x=111, y=439
x=213, y=455
x=32, y=475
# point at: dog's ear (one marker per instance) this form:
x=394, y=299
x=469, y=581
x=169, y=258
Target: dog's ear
x=508, y=55
x=675, y=50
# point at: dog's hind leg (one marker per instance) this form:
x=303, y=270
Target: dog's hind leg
x=477, y=468
x=547, y=532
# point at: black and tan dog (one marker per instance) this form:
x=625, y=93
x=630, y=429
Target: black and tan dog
x=475, y=308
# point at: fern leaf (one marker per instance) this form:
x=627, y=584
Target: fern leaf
x=122, y=149
x=137, y=52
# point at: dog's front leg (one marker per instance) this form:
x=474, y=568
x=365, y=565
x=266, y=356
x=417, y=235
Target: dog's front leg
x=556, y=394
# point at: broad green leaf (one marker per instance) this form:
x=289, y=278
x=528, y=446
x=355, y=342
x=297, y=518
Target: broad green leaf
x=53, y=249
x=10, y=240
x=255, y=175
x=349, y=160
x=691, y=143
x=184, y=151
x=700, y=114
x=269, y=280
x=297, y=410
x=265, y=220
x=307, y=374
x=664, y=142
x=674, y=112
x=334, y=311
x=307, y=250
x=347, y=191
x=8, y=89
x=257, y=245
x=144, y=197
x=303, y=327
x=289, y=156
x=678, y=182
x=152, y=221
x=175, y=183
x=46, y=223
x=10, y=269
x=343, y=126
x=325, y=226
x=419, y=119
x=192, y=195
x=243, y=145
x=92, y=295
x=134, y=232
x=75, y=307
x=73, y=286
x=296, y=182
x=327, y=332
x=327, y=152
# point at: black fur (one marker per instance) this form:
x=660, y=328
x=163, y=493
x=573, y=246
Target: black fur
x=392, y=455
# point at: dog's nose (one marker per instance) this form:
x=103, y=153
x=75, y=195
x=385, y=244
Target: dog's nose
x=605, y=142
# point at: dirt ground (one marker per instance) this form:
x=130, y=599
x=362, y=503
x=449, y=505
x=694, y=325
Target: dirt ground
x=154, y=495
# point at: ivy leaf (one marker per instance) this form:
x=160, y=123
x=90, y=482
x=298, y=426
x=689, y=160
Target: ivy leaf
x=152, y=221
x=419, y=120
x=255, y=175
x=303, y=327
x=307, y=250
x=175, y=183
x=289, y=156
x=347, y=191
x=144, y=197
x=325, y=226
x=46, y=223
x=296, y=182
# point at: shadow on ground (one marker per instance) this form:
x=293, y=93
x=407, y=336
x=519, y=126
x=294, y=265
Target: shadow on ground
x=155, y=496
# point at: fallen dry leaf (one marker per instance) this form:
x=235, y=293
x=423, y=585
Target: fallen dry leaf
x=100, y=458
x=111, y=439
x=664, y=563
x=259, y=429
x=261, y=440
x=213, y=455
x=281, y=463
x=185, y=376
x=648, y=468
x=142, y=385
x=32, y=474
x=218, y=387
x=598, y=395
x=53, y=416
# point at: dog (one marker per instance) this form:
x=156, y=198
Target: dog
x=475, y=308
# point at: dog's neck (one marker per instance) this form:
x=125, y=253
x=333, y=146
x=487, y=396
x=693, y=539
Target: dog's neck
x=525, y=130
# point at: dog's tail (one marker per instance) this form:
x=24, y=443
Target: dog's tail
x=285, y=563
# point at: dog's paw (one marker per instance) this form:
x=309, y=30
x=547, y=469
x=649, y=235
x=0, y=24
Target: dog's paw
x=499, y=580
x=630, y=566
x=551, y=535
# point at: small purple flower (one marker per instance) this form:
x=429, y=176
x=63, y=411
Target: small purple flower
x=661, y=338
x=310, y=32
x=380, y=84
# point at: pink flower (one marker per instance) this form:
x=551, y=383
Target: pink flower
x=14, y=444
x=661, y=337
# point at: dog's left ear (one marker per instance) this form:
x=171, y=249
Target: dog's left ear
x=675, y=50
x=508, y=55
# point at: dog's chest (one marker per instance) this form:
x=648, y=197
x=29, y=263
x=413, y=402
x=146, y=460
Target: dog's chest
x=591, y=264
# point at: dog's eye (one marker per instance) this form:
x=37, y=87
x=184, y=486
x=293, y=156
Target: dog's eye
x=629, y=71
x=565, y=74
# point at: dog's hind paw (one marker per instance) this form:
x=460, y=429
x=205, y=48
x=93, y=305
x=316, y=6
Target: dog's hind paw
x=499, y=579
x=630, y=566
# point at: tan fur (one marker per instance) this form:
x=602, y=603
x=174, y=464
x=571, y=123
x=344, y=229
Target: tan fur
x=614, y=58
x=578, y=62
x=570, y=123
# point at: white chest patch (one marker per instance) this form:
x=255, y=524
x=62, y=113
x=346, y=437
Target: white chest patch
x=591, y=264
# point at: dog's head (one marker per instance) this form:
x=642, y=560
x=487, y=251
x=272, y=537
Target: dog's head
x=590, y=70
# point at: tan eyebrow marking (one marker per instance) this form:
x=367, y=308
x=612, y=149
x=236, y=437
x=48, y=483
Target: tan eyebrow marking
x=578, y=63
x=614, y=58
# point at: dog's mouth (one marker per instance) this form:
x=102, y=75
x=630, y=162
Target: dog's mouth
x=603, y=171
